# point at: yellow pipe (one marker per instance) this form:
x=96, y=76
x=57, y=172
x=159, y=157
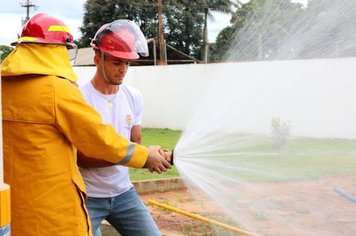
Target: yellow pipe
x=5, y=216
x=201, y=218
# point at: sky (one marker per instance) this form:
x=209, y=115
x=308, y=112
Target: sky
x=71, y=12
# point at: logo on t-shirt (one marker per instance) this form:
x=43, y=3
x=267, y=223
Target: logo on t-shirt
x=128, y=120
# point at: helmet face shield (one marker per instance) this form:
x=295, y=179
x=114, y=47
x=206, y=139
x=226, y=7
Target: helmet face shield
x=73, y=53
x=122, y=39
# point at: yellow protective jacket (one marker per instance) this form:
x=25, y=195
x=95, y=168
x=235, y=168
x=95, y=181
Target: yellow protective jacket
x=45, y=118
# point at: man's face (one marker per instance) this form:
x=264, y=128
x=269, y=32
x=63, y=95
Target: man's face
x=115, y=69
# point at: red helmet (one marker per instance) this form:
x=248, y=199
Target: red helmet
x=42, y=28
x=122, y=39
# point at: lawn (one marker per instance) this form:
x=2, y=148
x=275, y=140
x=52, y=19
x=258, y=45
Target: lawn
x=167, y=139
x=257, y=159
x=300, y=158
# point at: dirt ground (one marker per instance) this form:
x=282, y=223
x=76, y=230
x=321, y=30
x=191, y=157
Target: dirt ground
x=331, y=214
x=194, y=202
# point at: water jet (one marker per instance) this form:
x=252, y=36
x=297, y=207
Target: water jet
x=268, y=145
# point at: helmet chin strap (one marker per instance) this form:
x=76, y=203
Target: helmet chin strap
x=102, y=57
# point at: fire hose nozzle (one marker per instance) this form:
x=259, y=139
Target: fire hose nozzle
x=170, y=155
x=171, y=162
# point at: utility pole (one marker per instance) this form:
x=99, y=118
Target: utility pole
x=162, y=47
x=27, y=4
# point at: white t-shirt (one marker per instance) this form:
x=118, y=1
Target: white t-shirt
x=126, y=111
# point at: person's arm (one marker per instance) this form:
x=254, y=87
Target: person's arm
x=83, y=127
x=91, y=162
x=136, y=134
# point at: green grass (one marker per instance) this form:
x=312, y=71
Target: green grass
x=306, y=158
x=167, y=139
x=301, y=158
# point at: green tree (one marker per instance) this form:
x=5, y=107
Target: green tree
x=5, y=51
x=258, y=29
x=79, y=43
x=329, y=30
x=182, y=29
x=280, y=29
x=222, y=44
x=208, y=6
x=184, y=26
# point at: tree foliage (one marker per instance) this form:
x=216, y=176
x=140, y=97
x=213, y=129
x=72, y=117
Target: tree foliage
x=207, y=6
x=5, y=51
x=330, y=31
x=182, y=29
x=281, y=29
x=257, y=30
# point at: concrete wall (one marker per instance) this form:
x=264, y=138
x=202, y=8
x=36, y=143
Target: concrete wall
x=174, y=93
x=171, y=93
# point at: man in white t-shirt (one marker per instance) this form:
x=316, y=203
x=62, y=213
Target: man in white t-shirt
x=111, y=195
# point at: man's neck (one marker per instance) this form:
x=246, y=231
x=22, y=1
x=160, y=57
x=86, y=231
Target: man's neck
x=104, y=87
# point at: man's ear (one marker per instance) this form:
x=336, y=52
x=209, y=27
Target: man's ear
x=97, y=59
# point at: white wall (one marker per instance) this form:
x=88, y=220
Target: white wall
x=308, y=93
x=171, y=93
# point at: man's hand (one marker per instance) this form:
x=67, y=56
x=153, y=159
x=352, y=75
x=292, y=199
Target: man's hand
x=156, y=162
x=167, y=154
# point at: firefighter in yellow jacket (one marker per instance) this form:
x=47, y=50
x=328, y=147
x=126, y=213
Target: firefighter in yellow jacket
x=45, y=119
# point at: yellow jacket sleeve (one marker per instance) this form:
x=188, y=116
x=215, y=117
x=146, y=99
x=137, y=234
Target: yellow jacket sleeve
x=83, y=127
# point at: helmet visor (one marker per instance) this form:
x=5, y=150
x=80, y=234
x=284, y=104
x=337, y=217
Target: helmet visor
x=122, y=36
x=73, y=53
